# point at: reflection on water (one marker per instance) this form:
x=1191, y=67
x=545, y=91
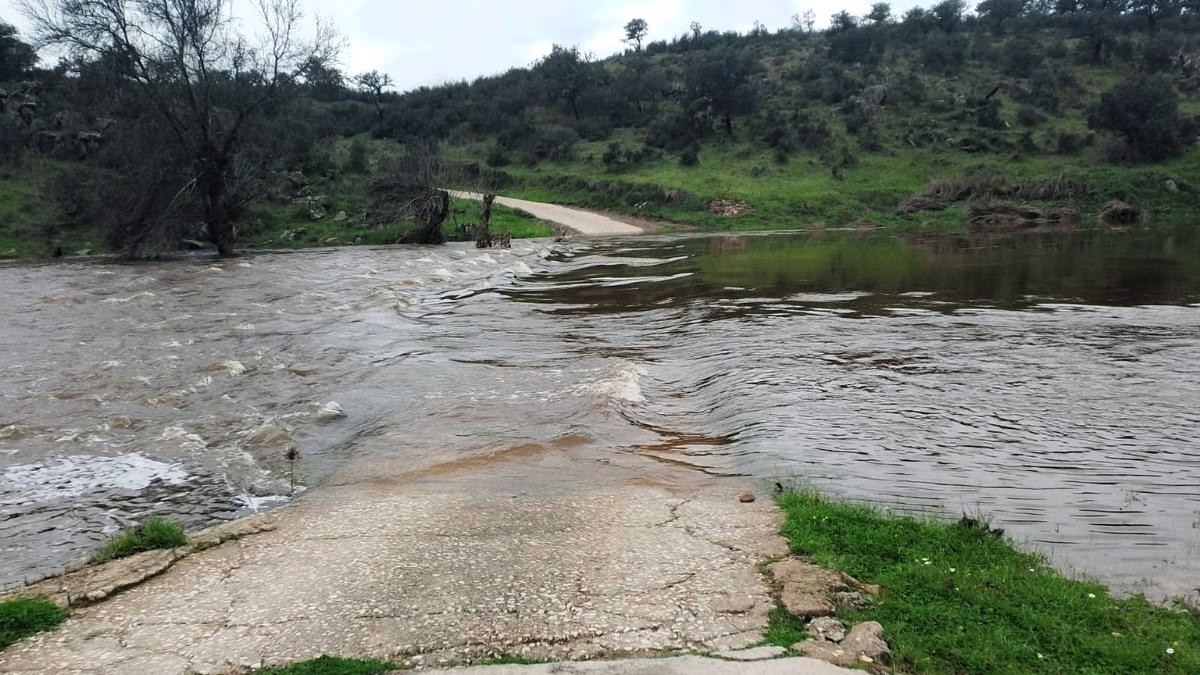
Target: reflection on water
x=1050, y=381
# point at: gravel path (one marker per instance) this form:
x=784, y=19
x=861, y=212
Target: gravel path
x=583, y=222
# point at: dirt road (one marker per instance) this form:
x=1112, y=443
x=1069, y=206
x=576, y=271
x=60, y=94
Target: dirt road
x=584, y=222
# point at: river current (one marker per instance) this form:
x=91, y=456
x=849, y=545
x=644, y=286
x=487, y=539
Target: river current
x=1050, y=383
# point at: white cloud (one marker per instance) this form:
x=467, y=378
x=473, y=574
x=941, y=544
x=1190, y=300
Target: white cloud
x=423, y=43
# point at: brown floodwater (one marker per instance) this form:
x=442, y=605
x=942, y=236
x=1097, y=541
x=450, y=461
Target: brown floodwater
x=1049, y=382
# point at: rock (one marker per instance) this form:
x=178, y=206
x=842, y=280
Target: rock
x=755, y=654
x=827, y=628
x=268, y=435
x=826, y=651
x=746, y=498
x=298, y=179
x=341, y=217
x=1171, y=185
x=803, y=603
x=230, y=367
x=84, y=252
x=192, y=245
x=866, y=639
x=733, y=604
x=729, y=208
x=850, y=599
x=864, y=644
x=807, y=588
x=329, y=412
x=1120, y=214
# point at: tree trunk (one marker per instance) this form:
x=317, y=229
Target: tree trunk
x=431, y=221
x=729, y=126
x=483, y=234
x=574, y=107
x=216, y=211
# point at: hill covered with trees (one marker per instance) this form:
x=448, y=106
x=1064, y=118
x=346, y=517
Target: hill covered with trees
x=1009, y=115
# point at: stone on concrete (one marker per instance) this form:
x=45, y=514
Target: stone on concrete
x=827, y=628
x=864, y=644
x=755, y=654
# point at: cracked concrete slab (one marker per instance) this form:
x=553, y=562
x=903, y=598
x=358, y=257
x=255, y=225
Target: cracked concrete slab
x=446, y=569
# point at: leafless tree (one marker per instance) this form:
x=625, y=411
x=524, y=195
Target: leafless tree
x=203, y=78
x=412, y=187
x=373, y=84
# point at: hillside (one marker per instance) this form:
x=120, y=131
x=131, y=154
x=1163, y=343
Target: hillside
x=1017, y=115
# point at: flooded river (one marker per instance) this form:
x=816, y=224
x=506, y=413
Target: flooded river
x=1051, y=383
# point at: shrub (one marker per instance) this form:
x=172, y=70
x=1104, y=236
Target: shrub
x=988, y=115
x=496, y=157
x=357, y=160
x=689, y=157
x=1143, y=111
x=1029, y=116
x=153, y=534
x=22, y=617
x=1067, y=143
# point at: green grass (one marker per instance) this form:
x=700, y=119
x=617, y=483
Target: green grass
x=961, y=599
x=155, y=533
x=804, y=193
x=22, y=617
x=25, y=214
x=331, y=665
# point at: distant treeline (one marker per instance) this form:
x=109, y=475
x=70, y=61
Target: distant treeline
x=1011, y=76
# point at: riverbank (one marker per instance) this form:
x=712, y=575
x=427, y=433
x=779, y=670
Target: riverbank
x=958, y=597
x=734, y=187
x=740, y=187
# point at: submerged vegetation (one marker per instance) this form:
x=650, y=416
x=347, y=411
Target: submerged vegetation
x=857, y=124
x=155, y=533
x=22, y=617
x=960, y=598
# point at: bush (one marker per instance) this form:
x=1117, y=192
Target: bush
x=1067, y=143
x=1029, y=116
x=1143, y=111
x=496, y=157
x=153, y=534
x=356, y=162
x=689, y=157
x=22, y=617
x=988, y=115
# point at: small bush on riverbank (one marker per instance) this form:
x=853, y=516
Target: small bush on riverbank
x=153, y=534
x=960, y=598
x=22, y=617
x=331, y=665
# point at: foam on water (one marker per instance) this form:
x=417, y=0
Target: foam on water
x=76, y=475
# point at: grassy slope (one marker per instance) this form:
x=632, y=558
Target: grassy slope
x=961, y=599
x=24, y=213
x=804, y=193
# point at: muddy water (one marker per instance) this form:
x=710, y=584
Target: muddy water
x=1052, y=382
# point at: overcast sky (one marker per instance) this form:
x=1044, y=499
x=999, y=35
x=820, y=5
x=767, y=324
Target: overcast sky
x=421, y=43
